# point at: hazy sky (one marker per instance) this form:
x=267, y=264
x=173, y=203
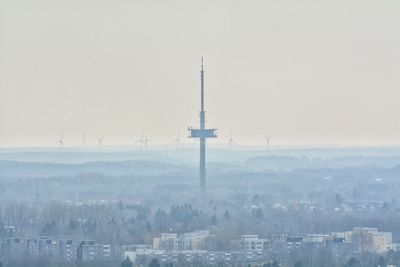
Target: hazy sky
x=308, y=72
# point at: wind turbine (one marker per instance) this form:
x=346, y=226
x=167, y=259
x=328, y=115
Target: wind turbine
x=141, y=140
x=100, y=141
x=231, y=142
x=84, y=139
x=61, y=142
x=145, y=141
x=177, y=141
x=268, y=140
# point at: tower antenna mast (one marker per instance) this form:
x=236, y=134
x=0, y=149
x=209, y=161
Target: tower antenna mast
x=202, y=133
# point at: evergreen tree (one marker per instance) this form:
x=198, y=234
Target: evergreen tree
x=154, y=263
x=121, y=205
x=227, y=215
x=338, y=198
x=2, y=230
x=127, y=263
x=213, y=220
x=258, y=213
x=381, y=261
x=352, y=262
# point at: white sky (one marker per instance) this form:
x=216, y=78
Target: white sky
x=308, y=72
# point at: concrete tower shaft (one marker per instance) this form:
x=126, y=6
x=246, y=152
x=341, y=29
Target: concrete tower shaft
x=202, y=133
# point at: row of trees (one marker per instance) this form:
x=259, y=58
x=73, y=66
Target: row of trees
x=126, y=224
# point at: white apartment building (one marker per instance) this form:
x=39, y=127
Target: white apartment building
x=370, y=239
x=187, y=241
x=252, y=243
x=194, y=240
x=167, y=241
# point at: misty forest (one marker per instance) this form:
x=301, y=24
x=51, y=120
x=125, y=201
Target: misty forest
x=131, y=197
x=184, y=133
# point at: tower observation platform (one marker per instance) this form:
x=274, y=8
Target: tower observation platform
x=202, y=133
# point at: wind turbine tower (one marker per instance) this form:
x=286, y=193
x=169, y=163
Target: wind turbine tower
x=202, y=133
x=268, y=140
x=177, y=141
x=61, y=142
x=145, y=142
x=83, y=139
x=141, y=140
x=231, y=142
x=100, y=141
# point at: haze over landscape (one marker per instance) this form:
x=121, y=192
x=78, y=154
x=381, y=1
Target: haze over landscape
x=291, y=109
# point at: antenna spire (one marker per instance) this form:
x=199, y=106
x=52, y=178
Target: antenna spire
x=202, y=92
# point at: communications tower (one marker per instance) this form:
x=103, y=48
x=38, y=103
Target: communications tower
x=202, y=133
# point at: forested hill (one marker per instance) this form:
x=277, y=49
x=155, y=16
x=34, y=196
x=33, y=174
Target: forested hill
x=19, y=169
